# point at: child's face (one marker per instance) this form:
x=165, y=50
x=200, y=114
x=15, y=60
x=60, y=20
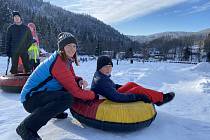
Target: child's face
x=70, y=50
x=107, y=70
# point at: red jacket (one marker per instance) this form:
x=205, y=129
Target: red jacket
x=52, y=75
x=68, y=80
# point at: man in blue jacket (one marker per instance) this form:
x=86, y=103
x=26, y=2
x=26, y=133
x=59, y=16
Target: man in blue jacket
x=103, y=85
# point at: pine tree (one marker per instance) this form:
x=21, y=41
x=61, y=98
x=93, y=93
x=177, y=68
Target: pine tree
x=186, y=54
x=5, y=15
x=207, y=44
x=51, y=20
x=98, y=49
x=4, y=23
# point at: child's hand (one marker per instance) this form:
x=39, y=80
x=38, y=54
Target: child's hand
x=83, y=84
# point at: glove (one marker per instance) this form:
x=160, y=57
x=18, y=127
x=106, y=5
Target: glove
x=96, y=97
x=78, y=81
x=144, y=98
x=117, y=86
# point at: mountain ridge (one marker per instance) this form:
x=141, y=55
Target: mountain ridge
x=172, y=34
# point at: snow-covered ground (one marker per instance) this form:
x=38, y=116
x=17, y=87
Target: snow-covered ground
x=187, y=117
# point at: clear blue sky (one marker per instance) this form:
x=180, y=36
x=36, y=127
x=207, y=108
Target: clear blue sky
x=144, y=17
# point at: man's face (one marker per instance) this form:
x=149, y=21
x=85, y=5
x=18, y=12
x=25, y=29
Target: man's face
x=17, y=19
x=106, y=69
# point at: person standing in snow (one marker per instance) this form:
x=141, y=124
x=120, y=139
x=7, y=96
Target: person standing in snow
x=34, y=50
x=51, y=87
x=130, y=92
x=18, y=41
x=32, y=27
x=33, y=53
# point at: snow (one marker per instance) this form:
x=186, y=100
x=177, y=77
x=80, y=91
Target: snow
x=201, y=67
x=185, y=118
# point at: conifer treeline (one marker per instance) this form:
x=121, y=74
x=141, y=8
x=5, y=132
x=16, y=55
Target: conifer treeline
x=50, y=20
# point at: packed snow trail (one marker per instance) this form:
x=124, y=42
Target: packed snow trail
x=185, y=118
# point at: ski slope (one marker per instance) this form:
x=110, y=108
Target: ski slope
x=185, y=118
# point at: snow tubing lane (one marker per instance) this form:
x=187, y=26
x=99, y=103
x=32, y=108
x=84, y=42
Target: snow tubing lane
x=111, y=116
x=13, y=83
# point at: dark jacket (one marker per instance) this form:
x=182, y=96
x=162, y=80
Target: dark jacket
x=18, y=39
x=103, y=85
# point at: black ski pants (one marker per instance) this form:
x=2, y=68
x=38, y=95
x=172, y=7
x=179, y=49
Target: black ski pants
x=45, y=105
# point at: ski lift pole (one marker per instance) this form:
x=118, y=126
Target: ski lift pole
x=8, y=61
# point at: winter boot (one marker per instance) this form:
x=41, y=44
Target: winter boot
x=166, y=98
x=63, y=115
x=26, y=133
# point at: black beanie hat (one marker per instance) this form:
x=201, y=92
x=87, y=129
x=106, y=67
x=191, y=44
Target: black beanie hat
x=65, y=38
x=15, y=13
x=103, y=61
x=34, y=41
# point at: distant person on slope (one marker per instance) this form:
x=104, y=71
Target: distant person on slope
x=130, y=92
x=18, y=41
x=50, y=89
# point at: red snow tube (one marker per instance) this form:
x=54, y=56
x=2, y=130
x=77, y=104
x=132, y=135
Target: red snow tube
x=13, y=83
x=111, y=116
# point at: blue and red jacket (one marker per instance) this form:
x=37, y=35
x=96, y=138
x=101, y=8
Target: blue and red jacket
x=54, y=74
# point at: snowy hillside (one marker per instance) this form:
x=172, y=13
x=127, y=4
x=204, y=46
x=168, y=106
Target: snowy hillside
x=177, y=34
x=185, y=118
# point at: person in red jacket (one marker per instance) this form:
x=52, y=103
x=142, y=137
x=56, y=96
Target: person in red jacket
x=51, y=88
